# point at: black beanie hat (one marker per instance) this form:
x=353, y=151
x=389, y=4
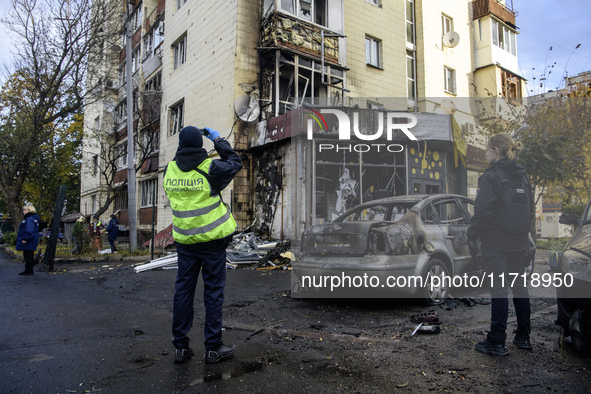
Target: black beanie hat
x=190, y=137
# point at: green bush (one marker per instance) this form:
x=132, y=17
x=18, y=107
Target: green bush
x=575, y=209
x=10, y=238
x=552, y=244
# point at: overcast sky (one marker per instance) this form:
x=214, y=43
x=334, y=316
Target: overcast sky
x=560, y=24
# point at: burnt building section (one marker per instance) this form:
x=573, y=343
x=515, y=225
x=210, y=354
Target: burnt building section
x=303, y=171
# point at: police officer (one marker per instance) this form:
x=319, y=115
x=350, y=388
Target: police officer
x=202, y=229
x=502, y=218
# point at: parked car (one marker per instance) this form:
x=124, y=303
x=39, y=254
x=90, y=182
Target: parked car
x=574, y=301
x=398, y=237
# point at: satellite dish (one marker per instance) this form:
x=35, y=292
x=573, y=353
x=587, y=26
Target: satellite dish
x=451, y=39
x=448, y=106
x=247, y=108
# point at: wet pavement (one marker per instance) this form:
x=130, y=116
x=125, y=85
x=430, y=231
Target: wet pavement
x=101, y=327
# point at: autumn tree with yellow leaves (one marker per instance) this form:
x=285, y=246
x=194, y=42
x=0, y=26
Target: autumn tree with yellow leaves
x=45, y=89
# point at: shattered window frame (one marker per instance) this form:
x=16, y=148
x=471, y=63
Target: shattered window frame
x=177, y=113
x=180, y=52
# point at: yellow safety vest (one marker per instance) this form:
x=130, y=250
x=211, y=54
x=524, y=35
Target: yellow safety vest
x=197, y=216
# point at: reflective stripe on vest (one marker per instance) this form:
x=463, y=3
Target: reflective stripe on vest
x=197, y=216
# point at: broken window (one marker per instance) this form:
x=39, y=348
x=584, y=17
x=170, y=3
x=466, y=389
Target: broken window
x=176, y=118
x=180, y=52
x=511, y=86
x=310, y=10
x=345, y=178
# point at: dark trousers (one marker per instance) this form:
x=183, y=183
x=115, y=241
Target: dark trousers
x=113, y=247
x=503, y=264
x=29, y=256
x=212, y=264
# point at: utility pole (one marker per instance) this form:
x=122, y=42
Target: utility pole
x=131, y=192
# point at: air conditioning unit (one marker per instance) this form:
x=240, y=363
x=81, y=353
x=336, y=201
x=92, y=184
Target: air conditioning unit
x=111, y=84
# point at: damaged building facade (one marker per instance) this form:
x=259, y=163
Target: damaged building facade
x=280, y=79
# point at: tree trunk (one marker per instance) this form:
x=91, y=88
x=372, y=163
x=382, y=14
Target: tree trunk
x=14, y=208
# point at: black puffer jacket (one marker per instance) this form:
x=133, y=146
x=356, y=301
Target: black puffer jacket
x=488, y=205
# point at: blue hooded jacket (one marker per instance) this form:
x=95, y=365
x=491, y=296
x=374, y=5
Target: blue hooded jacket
x=28, y=231
x=113, y=229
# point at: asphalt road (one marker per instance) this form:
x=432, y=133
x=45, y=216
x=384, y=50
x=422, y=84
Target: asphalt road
x=103, y=328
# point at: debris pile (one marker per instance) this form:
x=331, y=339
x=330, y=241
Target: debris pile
x=246, y=249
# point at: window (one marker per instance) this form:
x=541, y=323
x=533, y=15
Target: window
x=180, y=52
x=148, y=44
x=503, y=37
x=155, y=83
x=179, y=3
x=311, y=10
x=97, y=123
x=410, y=22
x=120, y=156
x=93, y=205
x=374, y=2
x=135, y=60
x=447, y=24
x=411, y=82
x=372, y=51
x=149, y=142
x=176, y=118
x=449, y=213
x=95, y=165
x=120, y=203
x=511, y=86
x=450, y=80
x=122, y=110
x=148, y=195
x=123, y=75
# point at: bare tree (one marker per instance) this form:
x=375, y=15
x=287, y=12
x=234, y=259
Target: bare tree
x=55, y=42
x=113, y=183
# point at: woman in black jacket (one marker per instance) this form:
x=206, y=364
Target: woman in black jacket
x=502, y=218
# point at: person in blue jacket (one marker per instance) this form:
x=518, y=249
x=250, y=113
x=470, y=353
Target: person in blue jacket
x=113, y=230
x=28, y=237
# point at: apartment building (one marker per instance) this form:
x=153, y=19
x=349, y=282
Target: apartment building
x=281, y=79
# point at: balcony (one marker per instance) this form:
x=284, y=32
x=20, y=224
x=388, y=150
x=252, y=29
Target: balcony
x=284, y=31
x=155, y=15
x=482, y=8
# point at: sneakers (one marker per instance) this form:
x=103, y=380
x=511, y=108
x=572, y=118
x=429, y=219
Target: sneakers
x=213, y=356
x=182, y=355
x=522, y=342
x=27, y=273
x=495, y=349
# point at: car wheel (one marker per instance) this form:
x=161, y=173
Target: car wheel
x=435, y=295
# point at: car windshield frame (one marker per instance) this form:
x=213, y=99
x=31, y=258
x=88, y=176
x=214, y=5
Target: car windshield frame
x=359, y=210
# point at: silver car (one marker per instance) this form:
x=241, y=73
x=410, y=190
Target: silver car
x=376, y=248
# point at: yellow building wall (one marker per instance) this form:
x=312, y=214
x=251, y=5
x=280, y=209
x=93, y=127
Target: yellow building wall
x=385, y=23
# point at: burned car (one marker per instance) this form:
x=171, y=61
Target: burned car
x=574, y=297
x=397, y=246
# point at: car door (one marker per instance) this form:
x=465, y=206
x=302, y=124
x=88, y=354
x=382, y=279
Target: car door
x=454, y=224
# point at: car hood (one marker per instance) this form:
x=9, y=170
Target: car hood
x=581, y=241
x=337, y=238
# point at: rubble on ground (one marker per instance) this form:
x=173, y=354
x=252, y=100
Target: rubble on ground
x=246, y=249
